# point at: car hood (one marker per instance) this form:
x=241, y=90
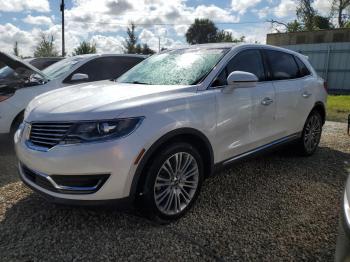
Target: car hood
x=19, y=66
x=98, y=100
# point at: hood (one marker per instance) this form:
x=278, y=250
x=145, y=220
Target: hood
x=98, y=100
x=21, y=67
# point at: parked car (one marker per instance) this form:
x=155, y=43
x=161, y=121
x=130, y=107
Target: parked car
x=343, y=240
x=153, y=135
x=42, y=62
x=16, y=90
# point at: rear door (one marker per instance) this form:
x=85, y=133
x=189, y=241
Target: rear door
x=284, y=73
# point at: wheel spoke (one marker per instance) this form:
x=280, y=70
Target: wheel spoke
x=176, y=183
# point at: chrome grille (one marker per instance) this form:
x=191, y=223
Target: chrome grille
x=48, y=134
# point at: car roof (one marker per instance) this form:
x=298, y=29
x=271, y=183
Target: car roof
x=106, y=54
x=236, y=45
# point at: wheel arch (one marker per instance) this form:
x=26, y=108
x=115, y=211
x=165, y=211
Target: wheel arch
x=193, y=136
x=321, y=108
x=18, y=116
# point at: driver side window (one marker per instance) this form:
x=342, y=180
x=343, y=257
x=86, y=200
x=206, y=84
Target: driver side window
x=248, y=61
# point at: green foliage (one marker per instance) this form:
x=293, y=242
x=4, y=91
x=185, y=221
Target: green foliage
x=294, y=26
x=131, y=46
x=85, y=48
x=15, y=49
x=131, y=40
x=205, y=31
x=45, y=47
x=305, y=13
x=201, y=31
x=321, y=22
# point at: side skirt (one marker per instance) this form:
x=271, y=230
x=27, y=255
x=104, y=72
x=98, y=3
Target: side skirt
x=258, y=150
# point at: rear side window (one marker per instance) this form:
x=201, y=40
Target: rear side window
x=248, y=61
x=103, y=68
x=303, y=70
x=282, y=65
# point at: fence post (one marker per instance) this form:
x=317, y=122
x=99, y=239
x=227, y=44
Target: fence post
x=327, y=62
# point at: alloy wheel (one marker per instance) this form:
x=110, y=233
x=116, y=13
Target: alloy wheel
x=312, y=133
x=176, y=183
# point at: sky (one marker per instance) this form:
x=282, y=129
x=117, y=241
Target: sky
x=104, y=22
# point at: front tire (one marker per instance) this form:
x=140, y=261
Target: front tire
x=311, y=134
x=173, y=182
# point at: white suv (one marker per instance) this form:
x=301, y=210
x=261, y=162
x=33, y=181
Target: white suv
x=155, y=133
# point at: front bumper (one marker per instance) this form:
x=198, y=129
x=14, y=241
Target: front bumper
x=115, y=158
x=343, y=240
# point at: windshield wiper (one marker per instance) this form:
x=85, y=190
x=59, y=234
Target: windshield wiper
x=137, y=82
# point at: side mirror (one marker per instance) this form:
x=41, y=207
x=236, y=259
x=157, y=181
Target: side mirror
x=78, y=77
x=241, y=79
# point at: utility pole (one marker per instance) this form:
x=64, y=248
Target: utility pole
x=62, y=11
x=158, y=44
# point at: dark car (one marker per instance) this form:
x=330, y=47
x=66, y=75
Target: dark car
x=343, y=241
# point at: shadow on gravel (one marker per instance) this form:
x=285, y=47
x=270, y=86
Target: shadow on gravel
x=273, y=207
x=8, y=162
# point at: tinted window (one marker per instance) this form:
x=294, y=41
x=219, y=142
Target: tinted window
x=283, y=65
x=248, y=61
x=303, y=70
x=107, y=67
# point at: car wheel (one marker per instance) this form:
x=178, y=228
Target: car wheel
x=311, y=134
x=173, y=182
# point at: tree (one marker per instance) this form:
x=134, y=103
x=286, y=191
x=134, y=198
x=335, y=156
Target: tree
x=46, y=47
x=15, y=49
x=305, y=13
x=85, y=48
x=338, y=7
x=146, y=50
x=321, y=22
x=294, y=26
x=201, y=31
x=131, y=40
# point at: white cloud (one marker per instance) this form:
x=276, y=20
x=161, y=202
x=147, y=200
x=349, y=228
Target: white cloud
x=323, y=6
x=21, y=5
x=285, y=8
x=241, y=6
x=262, y=13
x=38, y=20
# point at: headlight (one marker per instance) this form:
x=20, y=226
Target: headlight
x=101, y=130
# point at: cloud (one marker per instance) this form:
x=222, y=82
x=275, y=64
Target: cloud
x=24, y=5
x=262, y=13
x=241, y=6
x=38, y=20
x=322, y=6
x=285, y=8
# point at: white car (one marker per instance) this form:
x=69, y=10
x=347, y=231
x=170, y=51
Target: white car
x=20, y=81
x=155, y=133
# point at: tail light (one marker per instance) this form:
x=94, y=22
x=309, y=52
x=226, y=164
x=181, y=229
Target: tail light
x=325, y=86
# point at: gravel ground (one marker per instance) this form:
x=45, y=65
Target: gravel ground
x=275, y=207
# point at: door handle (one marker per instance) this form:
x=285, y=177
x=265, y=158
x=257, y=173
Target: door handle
x=266, y=101
x=306, y=94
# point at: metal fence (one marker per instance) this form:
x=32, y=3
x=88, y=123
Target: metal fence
x=331, y=61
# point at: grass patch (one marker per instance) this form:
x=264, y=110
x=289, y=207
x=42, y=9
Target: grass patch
x=338, y=108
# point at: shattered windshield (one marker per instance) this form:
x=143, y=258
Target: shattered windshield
x=177, y=67
x=61, y=67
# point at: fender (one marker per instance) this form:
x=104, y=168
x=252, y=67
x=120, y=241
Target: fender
x=161, y=141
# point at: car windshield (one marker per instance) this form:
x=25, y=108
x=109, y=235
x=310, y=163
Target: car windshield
x=57, y=69
x=177, y=67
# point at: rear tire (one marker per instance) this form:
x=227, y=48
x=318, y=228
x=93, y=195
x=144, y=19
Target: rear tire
x=311, y=134
x=173, y=182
